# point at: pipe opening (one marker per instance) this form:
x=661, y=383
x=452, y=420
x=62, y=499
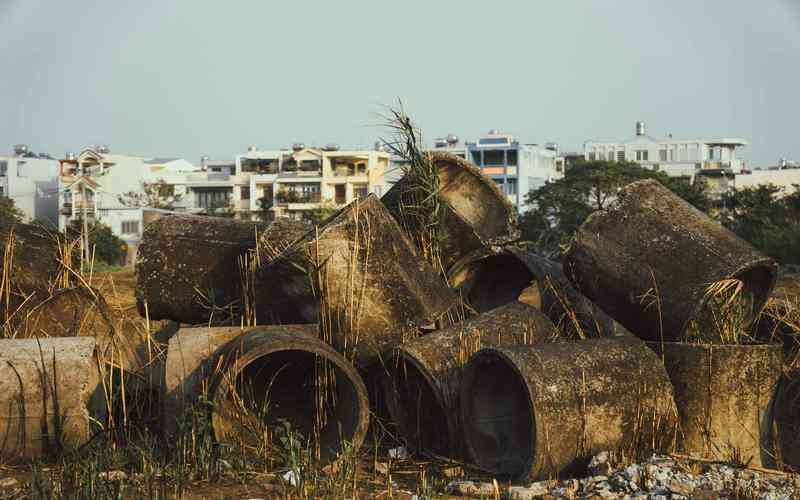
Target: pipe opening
x=498, y=416
x=306, y=390
x=758, y=283
x=417, y=411
x=498, y=280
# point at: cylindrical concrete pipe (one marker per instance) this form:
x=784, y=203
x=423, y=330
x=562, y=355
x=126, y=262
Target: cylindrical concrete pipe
x=359, y=276
x=476, y=216
x=649, y=259
x=503, y=277
x=786, y=413
x=188, y=267
x=259, y=376
x=724, y=397
x=51, y=396
x=422, y=391
x=538, y=412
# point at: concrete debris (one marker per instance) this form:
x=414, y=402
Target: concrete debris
x=649, y=259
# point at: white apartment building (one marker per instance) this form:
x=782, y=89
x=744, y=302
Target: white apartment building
x=32, y=182
x=94, y=185
x=675, y=157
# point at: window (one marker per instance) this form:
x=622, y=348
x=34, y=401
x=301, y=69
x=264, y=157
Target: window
x=611, y=156
x=212, y=198
x=130, y=227
x=511, y=157
x=592, y=156
x=360, y=191
x=2, y=193
x=216, y=169
x=494, y=157
x=511, y=186
x=245, y=192
x=621, y=156
x=662, y=155
x=476, y=157
x=3, y=168
x=641, y=155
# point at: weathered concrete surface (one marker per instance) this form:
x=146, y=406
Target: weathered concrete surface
x=268, y=366
x=501, y=278
x=477, y=215
x=651, y=241
x=50, y=396
x=537, y=412
x=376, y=292
x=723, y=394
x=188, y=267
x=33, y=261
x=786, y=412
x=425, y=376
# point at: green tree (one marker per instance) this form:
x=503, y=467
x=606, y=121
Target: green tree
x=9, y=213
x=319, y=214
x=157, y=194
x=768, y=218
x=560, y=207
x=107, y=246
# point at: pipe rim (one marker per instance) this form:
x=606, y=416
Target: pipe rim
x=468, y=377
x=312, y=345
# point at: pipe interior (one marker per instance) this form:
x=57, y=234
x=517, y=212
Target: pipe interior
x=286, y=385
x=498, y=416
x=417, y=411
x=757, y=283
x=499, y=280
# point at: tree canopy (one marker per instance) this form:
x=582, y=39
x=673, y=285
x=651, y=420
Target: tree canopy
x=9, y=213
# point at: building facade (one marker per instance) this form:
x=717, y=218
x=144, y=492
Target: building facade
x=31, y=181
x=675, y=157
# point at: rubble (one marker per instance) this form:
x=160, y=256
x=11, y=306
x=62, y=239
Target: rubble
x=648, y=260
x=51, y=396
x=542, y=411
x=286, y=368
x=723, y=395
x=377, y=291
x=425, y=375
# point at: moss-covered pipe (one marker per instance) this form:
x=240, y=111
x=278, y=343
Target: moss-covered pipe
x=254, y=379
x=724, y=396
x=537, y=412
x=422, y=390
x=359, y=276
x=649, y=259
x=188, y=267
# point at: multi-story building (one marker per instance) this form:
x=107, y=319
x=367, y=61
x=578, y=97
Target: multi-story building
x=675, y=157
x=294, y=182
x=32, y=182
x=516, y=168
x=109, y=188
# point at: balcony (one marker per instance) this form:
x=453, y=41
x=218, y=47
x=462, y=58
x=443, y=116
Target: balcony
x=298, y=197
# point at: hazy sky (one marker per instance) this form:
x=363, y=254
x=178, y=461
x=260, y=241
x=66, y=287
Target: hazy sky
x=196, y=77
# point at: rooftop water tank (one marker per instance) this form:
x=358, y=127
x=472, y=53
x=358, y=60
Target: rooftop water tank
x=452, y=139
x=297, y=146
x=20, y=149
x=639, y=129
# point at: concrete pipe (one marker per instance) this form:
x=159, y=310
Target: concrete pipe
x=477, y=216
x=188, y=267
x=724, y=394
x=538, y=412
x=649, y=259
x=51, y=396
x=786, y=413
x=425, y=376
x=260, y=376
x=359, y=276
x=505, y=277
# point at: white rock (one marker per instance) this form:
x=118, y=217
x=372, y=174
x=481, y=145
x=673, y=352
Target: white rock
x=292, y=478
x=399, y=453
x=113, y=475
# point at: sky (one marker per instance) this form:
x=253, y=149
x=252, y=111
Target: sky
x=195, y=77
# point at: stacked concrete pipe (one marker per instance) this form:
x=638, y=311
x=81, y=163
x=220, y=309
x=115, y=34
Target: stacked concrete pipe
x=422, y=389
x=240, y=371
x=538, y=412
